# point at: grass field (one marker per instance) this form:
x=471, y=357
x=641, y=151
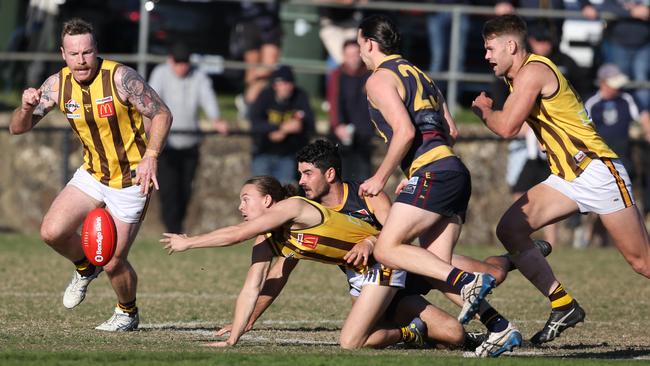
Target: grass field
x=183, y=298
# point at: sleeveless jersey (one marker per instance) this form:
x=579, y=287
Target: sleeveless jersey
x=327, y=242
x=430, y=144
x=355, y=206
x=564, y=128
x=110, y=129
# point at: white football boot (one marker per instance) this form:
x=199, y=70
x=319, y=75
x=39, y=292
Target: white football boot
x=473, y=293
x=76, y=291
x=499, y=342
x=120, y=322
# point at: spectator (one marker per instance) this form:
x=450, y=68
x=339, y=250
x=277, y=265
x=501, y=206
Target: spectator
x=613, y=111
x=338, y=25
x=281, y=122
x=349, y=118
x=439, y=29
x=260, y=33
x=184, y=89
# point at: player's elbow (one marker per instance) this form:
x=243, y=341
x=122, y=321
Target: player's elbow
x=17, y=129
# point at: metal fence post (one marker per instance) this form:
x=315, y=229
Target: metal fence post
x=452, y=84
x=143, y=39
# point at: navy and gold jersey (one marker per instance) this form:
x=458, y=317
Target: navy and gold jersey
x=110, y=129
x=356, y=206
x=327, y=242
x=421, y=99
x=564, y=128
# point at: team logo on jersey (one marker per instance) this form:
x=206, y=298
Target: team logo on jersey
x=579, y=157
x=306, y=240
x=71, y=105
x=105, y=107
x=362, y=212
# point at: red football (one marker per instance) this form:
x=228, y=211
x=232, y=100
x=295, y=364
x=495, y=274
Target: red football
x=99, y=237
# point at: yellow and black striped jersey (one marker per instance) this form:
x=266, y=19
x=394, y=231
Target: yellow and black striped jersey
x=564, y=128
x=327, y=242
x=111, y=130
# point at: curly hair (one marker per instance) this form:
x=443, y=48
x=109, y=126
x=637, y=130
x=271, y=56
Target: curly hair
x=323, y=154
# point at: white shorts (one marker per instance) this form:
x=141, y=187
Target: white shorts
x=126, y=204
x=603, y=187
x=376, y=274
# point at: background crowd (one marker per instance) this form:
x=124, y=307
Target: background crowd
x=277, y=111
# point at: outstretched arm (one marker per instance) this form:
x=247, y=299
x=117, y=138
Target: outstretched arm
x=132, y=87
x=262, y=255
x=35, y=104
x=275, y=282
x=279, y=214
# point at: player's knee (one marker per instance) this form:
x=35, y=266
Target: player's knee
x=116, y=265
x=350, y=343
x=382, y=255
x=497, y=269
x=641, y=266
x=50, y=234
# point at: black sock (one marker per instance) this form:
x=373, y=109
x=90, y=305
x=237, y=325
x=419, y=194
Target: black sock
x=457, y=278
x=84, y=267
x=493, y=321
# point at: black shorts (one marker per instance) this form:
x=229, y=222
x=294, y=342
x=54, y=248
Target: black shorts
x=535, y=171
x=446, y=192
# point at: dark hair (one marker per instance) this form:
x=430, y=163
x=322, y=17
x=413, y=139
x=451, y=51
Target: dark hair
x=505, y=24
x=323, y=154
x=382, y=30
x=179, y=52
x=267, y=184
x=350, y=42
x=76, y=26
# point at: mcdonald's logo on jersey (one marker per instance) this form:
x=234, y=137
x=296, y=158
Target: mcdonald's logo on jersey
x=309, y=241
x=105, y=107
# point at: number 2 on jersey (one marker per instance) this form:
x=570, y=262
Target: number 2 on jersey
x=419, y=102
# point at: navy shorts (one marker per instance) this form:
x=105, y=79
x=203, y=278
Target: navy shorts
x=446, y=192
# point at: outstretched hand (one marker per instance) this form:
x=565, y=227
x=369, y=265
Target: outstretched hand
x=175, y=242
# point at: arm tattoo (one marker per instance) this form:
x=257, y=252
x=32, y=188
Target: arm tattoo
x=49, y=96
x=139, y=93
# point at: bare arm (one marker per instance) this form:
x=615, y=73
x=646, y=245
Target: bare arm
x=248, y=296
x=279, y=214
x=379, y=206
x=132, y=87
x=534, y=80
x=35, y=104
x=275, y=281
x=383, y=93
